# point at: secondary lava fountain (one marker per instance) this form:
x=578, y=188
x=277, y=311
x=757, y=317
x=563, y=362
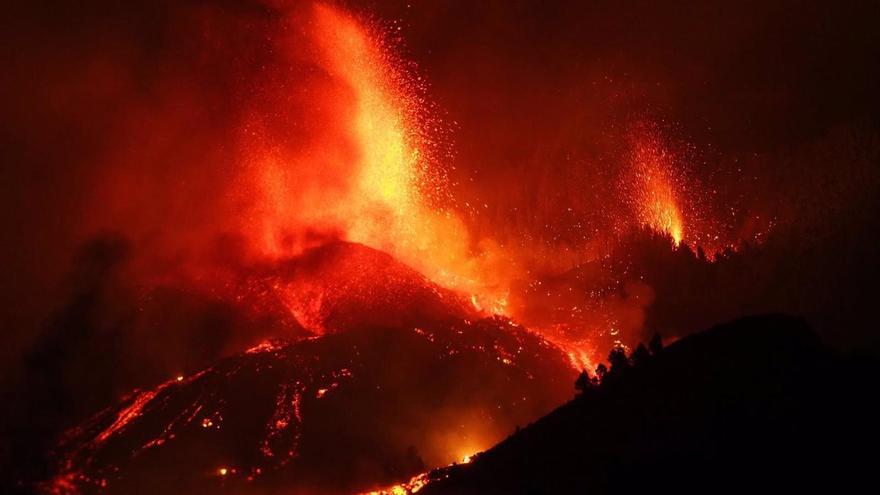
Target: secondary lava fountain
x=655, y=189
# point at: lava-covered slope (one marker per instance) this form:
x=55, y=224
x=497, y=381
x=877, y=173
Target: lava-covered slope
x=342, y=285
x=757, y=405
x=341, y=412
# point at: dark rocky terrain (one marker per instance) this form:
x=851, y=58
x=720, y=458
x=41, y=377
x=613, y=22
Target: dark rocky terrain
x=756, y=405
x=332, y=414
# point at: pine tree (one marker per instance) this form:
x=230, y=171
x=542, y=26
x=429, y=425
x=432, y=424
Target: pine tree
x=618, y=360
x=601, y=372
x=583, y=384
x=656, y=344
x=640, y=356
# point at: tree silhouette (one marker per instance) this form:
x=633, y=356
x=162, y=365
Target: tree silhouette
x=656, y=344
x=601, y=372
x=584, y=384
x=640, y=356
x=618, y=360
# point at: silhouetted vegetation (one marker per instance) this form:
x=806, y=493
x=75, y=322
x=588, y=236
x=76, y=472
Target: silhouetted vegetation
x=601, y=372
x=585, y=384
x=619, y=361
x=656, y=344
x=640, y=355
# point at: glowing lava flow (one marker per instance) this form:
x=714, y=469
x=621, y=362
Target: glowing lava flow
x=416, y=483
x=276, y=408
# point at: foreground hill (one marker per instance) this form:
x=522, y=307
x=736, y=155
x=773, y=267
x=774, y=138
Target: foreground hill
x=756, y=405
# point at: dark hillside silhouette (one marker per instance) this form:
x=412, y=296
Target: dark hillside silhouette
x=756, y=405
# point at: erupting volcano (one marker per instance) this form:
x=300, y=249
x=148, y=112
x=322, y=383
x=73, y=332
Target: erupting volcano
x=372, y=177
x=274, y=417
x=320, y=247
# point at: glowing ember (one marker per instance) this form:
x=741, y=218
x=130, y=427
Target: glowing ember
x=125, y=416
x=412, y=486
x=266, y=346
x=416, y=483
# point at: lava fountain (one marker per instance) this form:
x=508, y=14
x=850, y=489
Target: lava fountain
x=388, y=190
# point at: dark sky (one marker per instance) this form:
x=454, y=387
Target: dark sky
x=736, y=74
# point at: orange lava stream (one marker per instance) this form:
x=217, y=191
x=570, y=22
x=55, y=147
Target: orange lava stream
x=416, y=483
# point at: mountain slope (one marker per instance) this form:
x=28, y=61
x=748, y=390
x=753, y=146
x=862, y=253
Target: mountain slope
x=332, y=414
x=754, y=405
